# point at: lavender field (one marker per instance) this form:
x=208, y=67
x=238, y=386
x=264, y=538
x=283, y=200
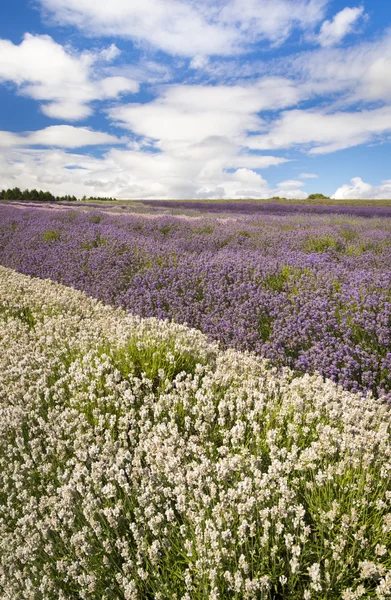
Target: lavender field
x=138, y=461
x=308, y=288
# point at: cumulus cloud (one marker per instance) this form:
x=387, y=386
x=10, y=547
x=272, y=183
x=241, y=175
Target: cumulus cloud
x=243, y=183
x=332, y=32
x=293, y=193
x=191, y=113
x=321, y=132
x=308, y=176
x=360, y=190
x=184, y=27
x=47, y=169
x=61, y=136
x=195, y=134
x=290, y=188
x=129, y=174
x=249, y=177
x=64, y=81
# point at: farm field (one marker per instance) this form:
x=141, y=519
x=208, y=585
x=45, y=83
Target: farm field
x=140, y=461
x=306, y=290
x=195, y=300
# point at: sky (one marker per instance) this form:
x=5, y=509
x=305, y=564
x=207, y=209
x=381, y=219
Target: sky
x=196, y=98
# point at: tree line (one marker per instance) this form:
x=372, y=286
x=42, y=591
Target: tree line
x=17, y=194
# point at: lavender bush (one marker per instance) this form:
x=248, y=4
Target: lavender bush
x=311, y=292
x=140, y=462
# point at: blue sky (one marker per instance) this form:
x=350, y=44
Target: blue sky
x=196, y=98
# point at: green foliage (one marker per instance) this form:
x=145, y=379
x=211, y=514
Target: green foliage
x=165, y=229
x=95, y=243
x=98, y=198
x=348, y=234
x=23, y=313
x=205, y=229
x=140, y=358
x=244, y=233
x=318, y=197
x=277, y=281
x=11, y=194
x=265, y=327
x=322, y=244
x=39, y=195
x=51, y=235
x=288, y=274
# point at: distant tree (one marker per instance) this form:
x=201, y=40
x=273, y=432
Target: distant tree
x=318, y=197
x=34, y=195
x=46, y=196
x=17, y=194
x=7, y=194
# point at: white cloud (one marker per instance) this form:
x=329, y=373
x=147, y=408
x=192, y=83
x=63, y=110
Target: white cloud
x=360, y=190
x=243, y=183
x=130, y=174
x=190, y=28
x=357, y=73
x=289, y=184
x=332, y=32
x=171, y=25
x=189, y=136
x=191, y=114
x=290, y=193
x=291, y=189
x=63, y=80
x=199, y=62
x=272, y=19
x=376, y=82
x=255, y=161
x=187, y=114
x=320, y=132
x=308, y=176
x=249, y=177
x=110, y=53
x=44, y=169
x=191, y=141
x=61, y=136
x=143, y=71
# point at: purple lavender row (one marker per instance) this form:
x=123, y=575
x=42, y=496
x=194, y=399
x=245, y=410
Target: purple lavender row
x=312, y=292
x=272, y=208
